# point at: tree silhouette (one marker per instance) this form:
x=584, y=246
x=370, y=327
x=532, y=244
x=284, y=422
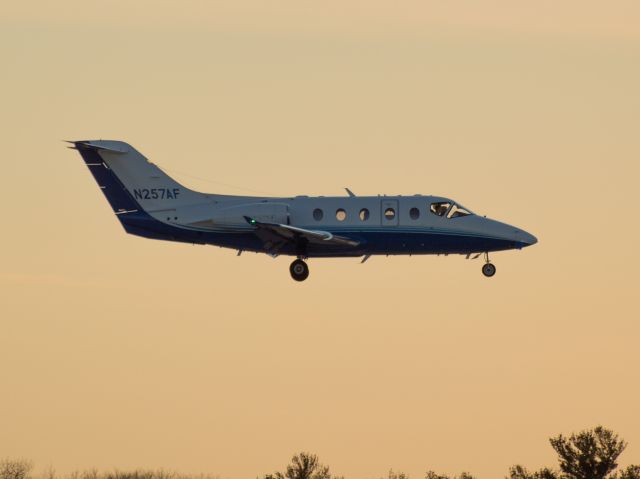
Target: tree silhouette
x=397, y=475
x=590, y=454
x=433, y=475
x=631, y=472
x=15, y=469
x=303, y=466
x=519, y=472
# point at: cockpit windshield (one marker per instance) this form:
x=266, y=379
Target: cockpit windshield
x=456, y=211
x=440, y=208
x=448, y=209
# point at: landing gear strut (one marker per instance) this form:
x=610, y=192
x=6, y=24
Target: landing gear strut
x=299, y=270
x=488, y=269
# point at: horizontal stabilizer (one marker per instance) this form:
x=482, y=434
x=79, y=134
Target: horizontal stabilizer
x=88, y=144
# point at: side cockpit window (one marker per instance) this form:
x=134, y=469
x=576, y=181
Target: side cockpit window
x=440, y=208
x=457, y=211
x=448, y=209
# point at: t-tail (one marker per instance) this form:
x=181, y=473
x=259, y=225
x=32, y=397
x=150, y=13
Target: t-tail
x=137, y=190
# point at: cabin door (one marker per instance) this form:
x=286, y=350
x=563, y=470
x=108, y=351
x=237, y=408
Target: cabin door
x=389, y=212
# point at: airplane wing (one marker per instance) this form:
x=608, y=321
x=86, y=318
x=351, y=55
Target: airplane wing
x=276, y=235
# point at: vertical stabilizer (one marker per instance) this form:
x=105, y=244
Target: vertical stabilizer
x=129, y=181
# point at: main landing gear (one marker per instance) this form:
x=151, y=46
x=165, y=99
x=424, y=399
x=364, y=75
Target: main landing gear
x=299, y=270
x=488, y=269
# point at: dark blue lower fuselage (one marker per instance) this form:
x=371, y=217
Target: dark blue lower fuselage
x=391, y=241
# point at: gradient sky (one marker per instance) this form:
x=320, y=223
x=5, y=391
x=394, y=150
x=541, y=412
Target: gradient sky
x=117, y=351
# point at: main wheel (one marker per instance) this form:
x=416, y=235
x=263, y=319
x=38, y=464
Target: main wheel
x=488, y=270
x=299, y=270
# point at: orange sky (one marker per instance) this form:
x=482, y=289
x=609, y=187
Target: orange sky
x=122, y=352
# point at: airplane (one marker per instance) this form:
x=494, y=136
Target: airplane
x=151, y=204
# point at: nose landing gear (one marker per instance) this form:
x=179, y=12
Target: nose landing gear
x=299, y=270
x=488, y=269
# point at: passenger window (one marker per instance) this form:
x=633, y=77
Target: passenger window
x=341, y=214
x=440, y=208
x=389, y=214
x=317, y=214
x=364, y=214
x=414, y=213
x=457, y=211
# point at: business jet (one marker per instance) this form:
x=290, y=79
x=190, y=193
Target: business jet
x=150, y=204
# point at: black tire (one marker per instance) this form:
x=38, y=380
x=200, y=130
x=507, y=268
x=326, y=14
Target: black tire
x=488, y=270
x=299, y=270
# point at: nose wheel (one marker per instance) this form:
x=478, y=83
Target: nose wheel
x=488, y=269
x=299, y=270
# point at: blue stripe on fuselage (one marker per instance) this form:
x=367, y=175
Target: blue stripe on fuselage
x=372, y=242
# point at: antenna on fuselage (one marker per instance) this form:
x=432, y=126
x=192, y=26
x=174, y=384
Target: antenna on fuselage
x=349, y=192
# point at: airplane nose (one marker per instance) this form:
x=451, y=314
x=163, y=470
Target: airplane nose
x=512, y=236
x=525, y=238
